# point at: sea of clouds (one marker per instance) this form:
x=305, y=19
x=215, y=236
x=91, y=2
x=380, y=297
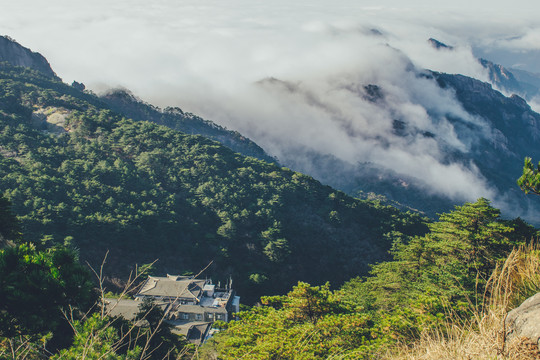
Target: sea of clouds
x=292, y=74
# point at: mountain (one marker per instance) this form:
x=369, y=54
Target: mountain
x=419, y=140
x=503, y=78
x=529, y=82
x=512, y=81
x=439, y=45
x=126, y=103
x=514, y=133
x=483, y=134
x=79, y=173
x=18, y=55
x=485, y=150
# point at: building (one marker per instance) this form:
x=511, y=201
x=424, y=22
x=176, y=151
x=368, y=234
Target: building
x=190, y=305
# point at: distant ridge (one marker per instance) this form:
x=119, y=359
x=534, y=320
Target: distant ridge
x=513, y=81
x=439, y=45
x=124, y=102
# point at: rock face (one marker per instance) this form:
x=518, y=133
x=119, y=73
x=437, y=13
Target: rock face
x=502, y=77
x=524, y=321
x=513, y=133
x=439, y=45
x=18, y=55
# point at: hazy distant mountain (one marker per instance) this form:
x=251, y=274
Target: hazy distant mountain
x=505, y=131
x=513, y=81
x=439, y=45
x=502, y=77
x=529, y=82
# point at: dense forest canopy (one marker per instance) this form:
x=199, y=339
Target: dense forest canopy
x=431, y=281
x=51, y=307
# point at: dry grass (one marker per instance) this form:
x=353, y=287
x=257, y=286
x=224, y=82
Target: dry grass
x=517, y=279
x=484, y=335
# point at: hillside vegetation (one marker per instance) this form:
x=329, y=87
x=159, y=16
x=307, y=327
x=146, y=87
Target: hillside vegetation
x=434, y=284
x=122, y=101
x=79, y=173
x=435, y=299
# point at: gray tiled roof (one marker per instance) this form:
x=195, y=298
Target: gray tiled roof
x=122, y=307
x=127, y=308
x=172, y=287
x=182, y=326
x=194, y=331
x=197, y=333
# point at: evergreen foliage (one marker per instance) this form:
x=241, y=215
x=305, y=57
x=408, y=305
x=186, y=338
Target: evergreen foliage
x=10, y=228
x=101, y=337
x=530, y=179
x=444, y=272
x=95, y=339
x=76, y=170
x=48, y=309
x=39, y=287
x=83, y=179
x=122, y=101
x=310, y=322
x=35, y=286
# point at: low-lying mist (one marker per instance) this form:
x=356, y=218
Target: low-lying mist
x=303, y=79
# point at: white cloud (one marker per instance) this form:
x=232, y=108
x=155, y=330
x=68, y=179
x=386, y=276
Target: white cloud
x=209, y=59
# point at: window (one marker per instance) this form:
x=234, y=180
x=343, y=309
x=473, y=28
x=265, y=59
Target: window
x=218, y=316
x=185, y=316
x=198, y=316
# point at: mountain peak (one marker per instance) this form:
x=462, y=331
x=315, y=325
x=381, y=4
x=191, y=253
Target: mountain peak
x=18, y=55
x=439, y=45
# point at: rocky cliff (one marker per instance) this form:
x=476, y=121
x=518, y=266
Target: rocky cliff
x=502, y=77
x=18, y=55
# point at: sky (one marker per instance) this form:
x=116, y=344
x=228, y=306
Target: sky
x=289, y=74
x=97, y=41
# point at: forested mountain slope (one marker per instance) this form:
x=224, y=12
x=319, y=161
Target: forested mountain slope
x=433, y=283
x=122, y=101
x=80, y=173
